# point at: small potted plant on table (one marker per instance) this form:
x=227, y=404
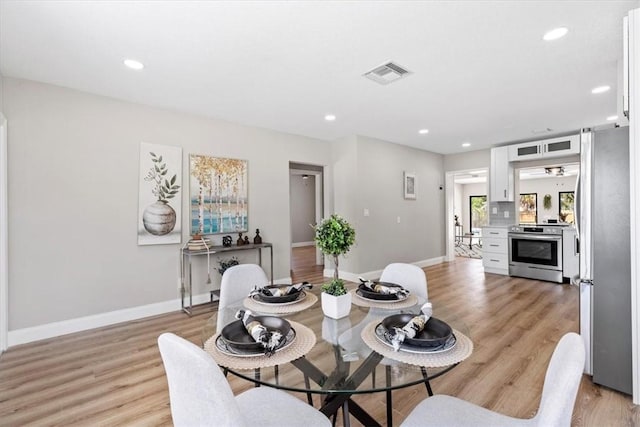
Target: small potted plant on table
x=334, y=237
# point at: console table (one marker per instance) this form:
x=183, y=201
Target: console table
x=185, y=267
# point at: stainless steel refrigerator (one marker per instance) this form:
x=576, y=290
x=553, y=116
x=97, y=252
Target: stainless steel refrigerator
x=602, y=214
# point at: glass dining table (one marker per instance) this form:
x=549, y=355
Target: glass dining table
x=342, y=358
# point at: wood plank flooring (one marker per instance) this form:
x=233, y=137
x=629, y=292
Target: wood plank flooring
x=114, y=376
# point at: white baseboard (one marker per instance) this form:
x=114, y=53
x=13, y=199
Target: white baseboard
x=55, y=329
x=50, y=330
x=301, y=244
x=371, y=275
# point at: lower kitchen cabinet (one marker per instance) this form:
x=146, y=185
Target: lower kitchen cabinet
x=495, y=250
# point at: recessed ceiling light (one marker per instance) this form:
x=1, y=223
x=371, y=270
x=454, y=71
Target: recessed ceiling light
x=555, y=34
x=466, y=144
x=600, y=89
x=612, y=118
x=423, y=131
x=329, y=117
x=133, y=64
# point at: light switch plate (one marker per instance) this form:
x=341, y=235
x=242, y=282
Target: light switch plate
x=506, y=214
x=495, y=210
x=366, y=212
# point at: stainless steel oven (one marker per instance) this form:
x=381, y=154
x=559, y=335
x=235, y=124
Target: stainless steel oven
x=535, y=252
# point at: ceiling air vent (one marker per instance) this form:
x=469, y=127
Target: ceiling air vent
x=387, y=73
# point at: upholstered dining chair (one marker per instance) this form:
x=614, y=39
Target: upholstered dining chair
x=556, y=406
x=237, y=282
x=409, y=276
x=200, y=395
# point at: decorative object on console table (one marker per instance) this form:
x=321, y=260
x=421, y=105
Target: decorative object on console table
x=227, y=241
x=258, y=239
x=218, y=200
x=240, y=240
x=198, y=243
x=227, y=263
x=246, y=240
x=334, y=236
x=159, y=203
x=409, y=185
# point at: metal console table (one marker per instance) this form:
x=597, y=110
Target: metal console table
x=185, y=269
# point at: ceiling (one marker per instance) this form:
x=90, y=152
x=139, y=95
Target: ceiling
x=481, y=72
x=539, y=172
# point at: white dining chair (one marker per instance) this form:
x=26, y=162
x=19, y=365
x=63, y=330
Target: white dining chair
x=556, y=406
x=200, y=395
x=237, y=282
x=409, y=276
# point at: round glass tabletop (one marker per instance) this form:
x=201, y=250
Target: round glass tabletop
x=340, y=361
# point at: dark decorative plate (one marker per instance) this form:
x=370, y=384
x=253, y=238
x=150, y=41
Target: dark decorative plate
x=236, y=335
x=369, y=294
x=267, y=297
x=435, y=332
x=227, y=349
x=381, y=335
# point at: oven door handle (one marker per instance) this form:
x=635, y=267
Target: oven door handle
x=535, y=236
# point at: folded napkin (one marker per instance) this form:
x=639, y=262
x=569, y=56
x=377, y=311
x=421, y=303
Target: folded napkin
x=280, y=291
x=413, y=327
x=269, y=340
x=382, y=289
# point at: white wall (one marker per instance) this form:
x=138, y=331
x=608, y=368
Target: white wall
x=303, y=208
x=457, y=201
x=479, y=159
x=369, y=175
x=73, y=202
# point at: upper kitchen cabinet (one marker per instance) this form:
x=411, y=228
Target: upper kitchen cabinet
x=548, y=148
x=502, y=181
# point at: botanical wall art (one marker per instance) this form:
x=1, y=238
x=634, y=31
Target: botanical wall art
x=409, y=185
x=218, y=195
x=160, y=194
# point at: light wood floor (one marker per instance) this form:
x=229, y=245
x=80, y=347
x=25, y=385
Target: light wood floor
x=114, y=375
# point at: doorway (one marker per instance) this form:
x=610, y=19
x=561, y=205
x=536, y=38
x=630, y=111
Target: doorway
x=463, y=221
x=306, y=208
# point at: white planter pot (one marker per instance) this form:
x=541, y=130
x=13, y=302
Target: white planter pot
x=336, y=307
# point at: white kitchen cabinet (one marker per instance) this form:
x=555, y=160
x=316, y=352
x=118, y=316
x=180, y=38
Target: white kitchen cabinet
x=570, y=253
x=502, y=182
x=548, y=148
x=495, y=250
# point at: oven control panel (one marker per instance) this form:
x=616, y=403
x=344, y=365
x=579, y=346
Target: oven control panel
x=533, y=229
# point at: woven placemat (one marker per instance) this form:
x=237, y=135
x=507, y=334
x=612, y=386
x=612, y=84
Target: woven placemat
x=254, y=306
x=363, y=302
x=302, y=344
x=461, y=351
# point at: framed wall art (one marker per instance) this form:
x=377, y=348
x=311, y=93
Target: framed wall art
x=159, y=195
x=218, y=201
x=409, y=185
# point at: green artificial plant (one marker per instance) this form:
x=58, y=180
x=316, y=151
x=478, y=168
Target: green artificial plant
x=334, y=237
x=546, y=201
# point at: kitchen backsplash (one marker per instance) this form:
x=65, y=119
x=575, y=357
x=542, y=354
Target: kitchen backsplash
x=502, y=207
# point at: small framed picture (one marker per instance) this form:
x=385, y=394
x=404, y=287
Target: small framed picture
x=409, y=185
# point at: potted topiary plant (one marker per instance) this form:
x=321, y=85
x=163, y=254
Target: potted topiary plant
x=334, y=237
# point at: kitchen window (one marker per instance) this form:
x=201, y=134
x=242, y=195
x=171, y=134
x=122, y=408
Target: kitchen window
x=528, y=208
x=566, y=206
